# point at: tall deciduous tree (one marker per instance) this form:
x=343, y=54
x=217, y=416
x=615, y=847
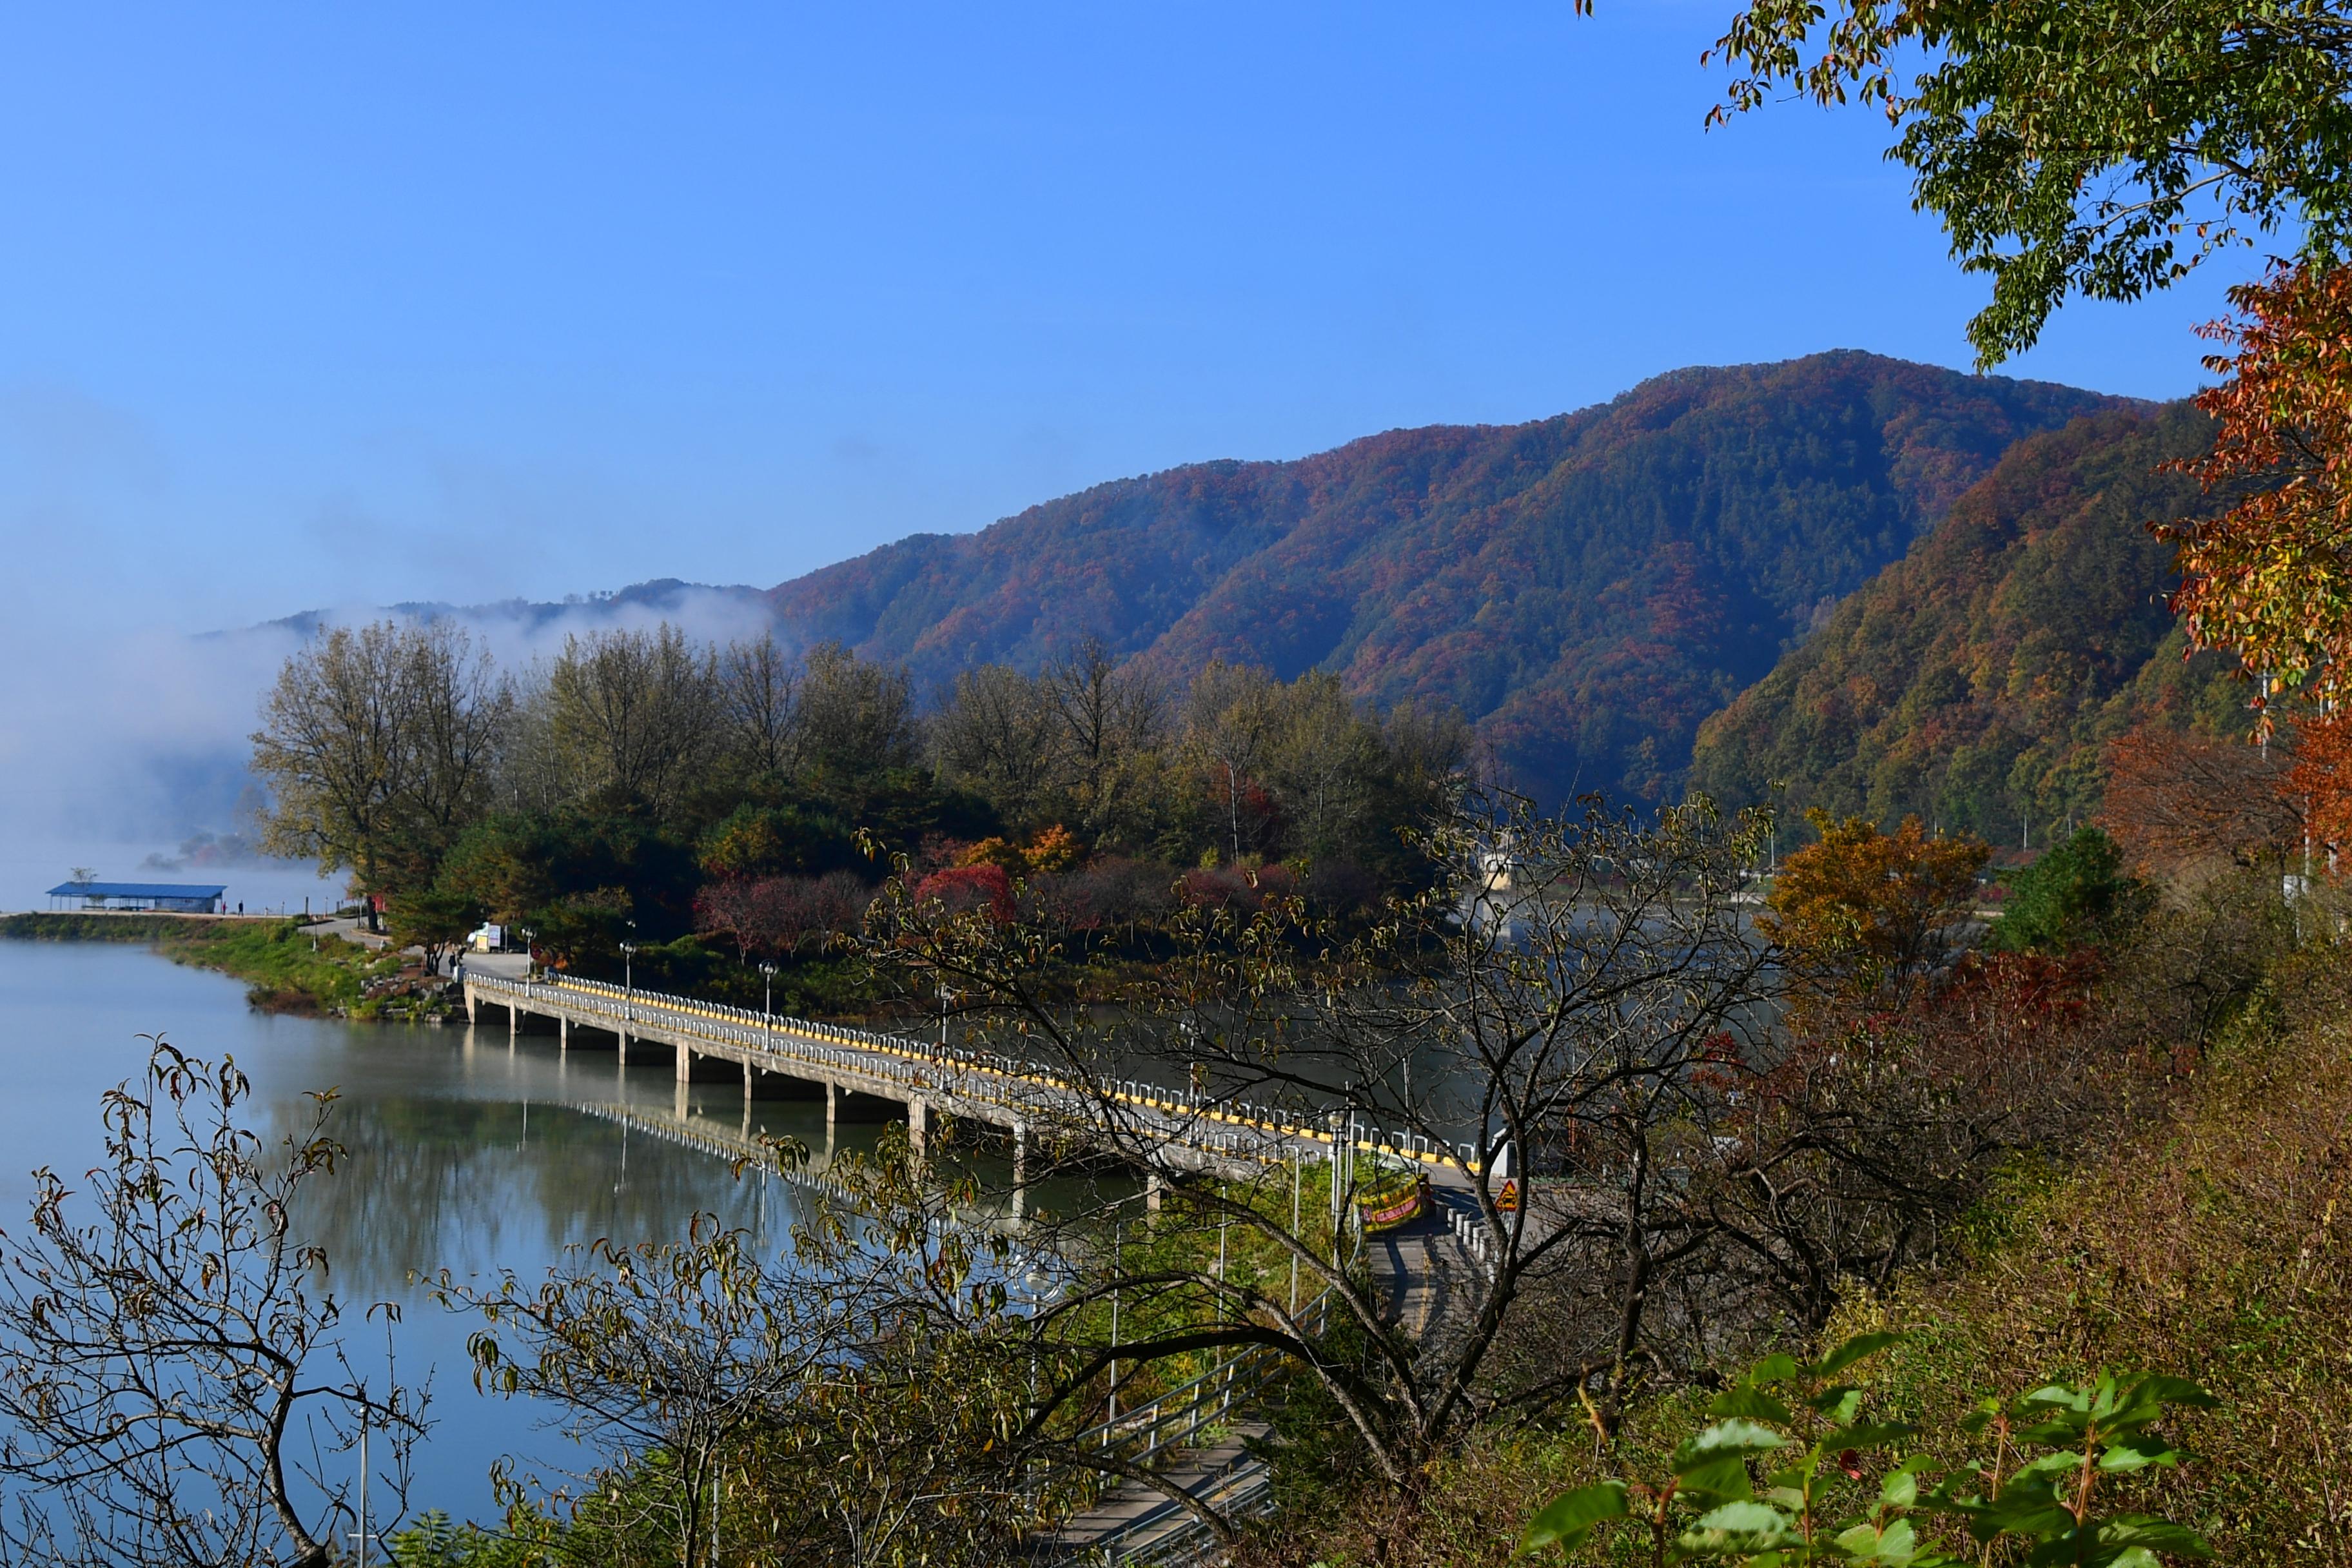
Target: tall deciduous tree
x=762, y=697
x=2271, y=578
x=1114, y=720
x=999, y=734
x=635, y=715
x=378, y=744
x=2187, y=804
x=857, y=717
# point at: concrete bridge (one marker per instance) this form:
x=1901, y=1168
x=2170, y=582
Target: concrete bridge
x=1185, y=1132
x=1417, y=1270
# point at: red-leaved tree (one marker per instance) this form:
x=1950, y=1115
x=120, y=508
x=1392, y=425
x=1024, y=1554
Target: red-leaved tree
x=774, y=917
x=2271, y=578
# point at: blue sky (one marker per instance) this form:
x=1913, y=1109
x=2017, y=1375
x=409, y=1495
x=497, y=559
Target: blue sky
x=329, y=306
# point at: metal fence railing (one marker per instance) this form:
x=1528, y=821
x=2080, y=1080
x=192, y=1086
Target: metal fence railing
x=1235, y=1128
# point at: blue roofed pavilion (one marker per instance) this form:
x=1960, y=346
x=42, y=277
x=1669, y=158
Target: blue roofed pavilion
x=168, y=897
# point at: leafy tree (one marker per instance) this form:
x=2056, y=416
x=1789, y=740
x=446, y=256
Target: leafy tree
x=764, y=840
x=377, y=744
x=168, y=1338
x=1000, y=734
x=2103, y=147
x=856, y=716
x=761, y=695
x=2185, y=805
x=436, y=919
x=2271, y=578
x=1861, y=917
x=577, y=879
x=2320, y=783
x=2075, y=896
x=776, y=917
x=633, y=717
x=1114, y=720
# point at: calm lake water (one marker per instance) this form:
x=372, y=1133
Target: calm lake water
x=469, y=1152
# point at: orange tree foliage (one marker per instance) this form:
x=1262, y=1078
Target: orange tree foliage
x=2270, y=579
x=2321, y=780
x=2179, y=803
x=1859, y=916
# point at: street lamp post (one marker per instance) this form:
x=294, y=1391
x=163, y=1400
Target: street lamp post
x=767, y=1006
x=529, y=954
x=946, y=997
x=628, y=982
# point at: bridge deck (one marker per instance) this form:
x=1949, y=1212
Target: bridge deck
x=1198, y=1133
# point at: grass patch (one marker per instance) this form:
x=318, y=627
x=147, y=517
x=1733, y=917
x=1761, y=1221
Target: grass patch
x=2212, y=1246
x=284, y=966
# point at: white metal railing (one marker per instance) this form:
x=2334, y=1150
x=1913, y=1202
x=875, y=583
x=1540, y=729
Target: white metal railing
x=1236, y=1128
x=1173, y=1421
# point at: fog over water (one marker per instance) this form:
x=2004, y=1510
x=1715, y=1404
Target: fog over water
x=466, y=1153
x=122, y=743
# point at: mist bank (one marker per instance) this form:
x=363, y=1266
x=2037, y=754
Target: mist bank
x=127, y=750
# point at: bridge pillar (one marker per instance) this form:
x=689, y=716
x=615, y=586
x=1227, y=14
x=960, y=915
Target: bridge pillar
x=469, y=1007
x=563, y=1033
x=832, y=1108
x=1020, y=1168
x=625, y=1047
x=747, y=1086
x=514, y=1022
x=678, y=1105
x=919, y=1116
x=1154, y=1190
x=685, y=1063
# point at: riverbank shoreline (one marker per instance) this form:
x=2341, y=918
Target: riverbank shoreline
x=287, y=965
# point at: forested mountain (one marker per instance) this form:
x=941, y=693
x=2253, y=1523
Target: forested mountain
x=1586, y=588
x=1975, y=682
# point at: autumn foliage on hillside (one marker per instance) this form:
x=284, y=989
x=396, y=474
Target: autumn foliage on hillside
x=1976, y=682
x=1585, y=588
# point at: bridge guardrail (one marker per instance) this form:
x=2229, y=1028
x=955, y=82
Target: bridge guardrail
x=829, y=1044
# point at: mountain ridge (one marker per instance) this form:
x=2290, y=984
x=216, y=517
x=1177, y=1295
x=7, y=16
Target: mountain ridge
x=1585, y=587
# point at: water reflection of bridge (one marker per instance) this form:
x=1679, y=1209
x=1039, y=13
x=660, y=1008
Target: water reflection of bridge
x=746, y=1148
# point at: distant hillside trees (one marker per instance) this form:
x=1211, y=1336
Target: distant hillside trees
x=1975, y=683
